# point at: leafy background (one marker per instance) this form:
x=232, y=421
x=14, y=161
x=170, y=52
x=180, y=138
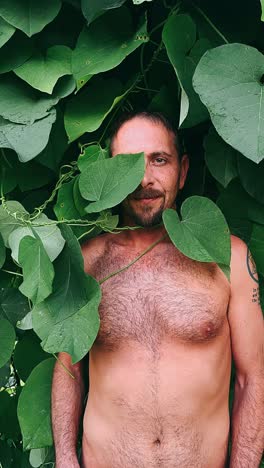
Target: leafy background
x=67, y=70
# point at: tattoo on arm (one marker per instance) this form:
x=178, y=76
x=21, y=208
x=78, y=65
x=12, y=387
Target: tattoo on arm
x=251, y=266
x=256, y=296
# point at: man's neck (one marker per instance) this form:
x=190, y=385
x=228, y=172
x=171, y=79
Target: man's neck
x=143, y=237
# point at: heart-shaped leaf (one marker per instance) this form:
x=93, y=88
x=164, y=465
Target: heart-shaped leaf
x=107, y=182
x=38, y=271
x=68, y=320
x=202, y=234
x=43, y=71
x=28, y=15
x=228, y=81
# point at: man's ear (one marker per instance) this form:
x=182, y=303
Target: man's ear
x=183, y=170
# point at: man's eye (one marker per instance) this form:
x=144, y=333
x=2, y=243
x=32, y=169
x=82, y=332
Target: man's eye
x=160, y=161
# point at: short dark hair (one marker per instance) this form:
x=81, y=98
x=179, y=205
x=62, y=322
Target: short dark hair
x=155, y=117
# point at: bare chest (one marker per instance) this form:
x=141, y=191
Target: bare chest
x=163, y=296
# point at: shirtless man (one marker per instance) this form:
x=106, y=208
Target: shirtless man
x=160, y=366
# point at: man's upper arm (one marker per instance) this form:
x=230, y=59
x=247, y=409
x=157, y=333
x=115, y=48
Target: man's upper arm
x=245, y=315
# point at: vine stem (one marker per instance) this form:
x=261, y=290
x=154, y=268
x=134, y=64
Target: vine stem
x=210, y=22
x=64, y=367
x=11, y=272
x=150, y=247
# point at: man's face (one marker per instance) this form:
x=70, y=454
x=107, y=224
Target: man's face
x=164, y=174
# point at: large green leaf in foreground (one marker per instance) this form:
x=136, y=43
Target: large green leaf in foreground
x=7, y=340
x=202, y=234
x=228, y=80
x=68, y=320
x=107, y=182
x=34, y=407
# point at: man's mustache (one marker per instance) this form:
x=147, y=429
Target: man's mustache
x=146, y=193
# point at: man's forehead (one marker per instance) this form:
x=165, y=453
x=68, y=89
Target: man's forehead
x=140, y=134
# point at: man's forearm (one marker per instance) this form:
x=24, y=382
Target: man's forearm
x=248, y=425
x=67, y=399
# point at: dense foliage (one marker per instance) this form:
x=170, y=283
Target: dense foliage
x=68, y=68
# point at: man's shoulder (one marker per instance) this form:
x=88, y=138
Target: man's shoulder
x=239, y=249
x=94, y=249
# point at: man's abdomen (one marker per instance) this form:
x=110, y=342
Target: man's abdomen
x=169, y=413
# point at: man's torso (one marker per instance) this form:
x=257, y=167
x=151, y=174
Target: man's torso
x=160, y=366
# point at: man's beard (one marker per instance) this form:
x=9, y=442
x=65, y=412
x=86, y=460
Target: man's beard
x=145, y=216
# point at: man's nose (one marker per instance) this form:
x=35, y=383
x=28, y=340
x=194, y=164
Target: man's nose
x=148, y=177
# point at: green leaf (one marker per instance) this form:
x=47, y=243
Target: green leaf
x=6, y=31
x=262, y=10
x=8, y=222
x=202, y=234
x=252, y=176
x=34, y=407
x=107, y=182
x=256, y=246
x=13, y=305
x=93, y=8
x=65, y=207
x=108, y=41
x=179, y=35
x=28, y=354
x=22, y=104
x=2, y=251
x=221, y=159
x=43, y=71
x=228, y=81
x=28, y=15
x=68, y=320
x=86, y=111
x=50, y=236
x=38, y=270
x=15, y=52
x=7, y=340
x=17, y=136
x=91, y=154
